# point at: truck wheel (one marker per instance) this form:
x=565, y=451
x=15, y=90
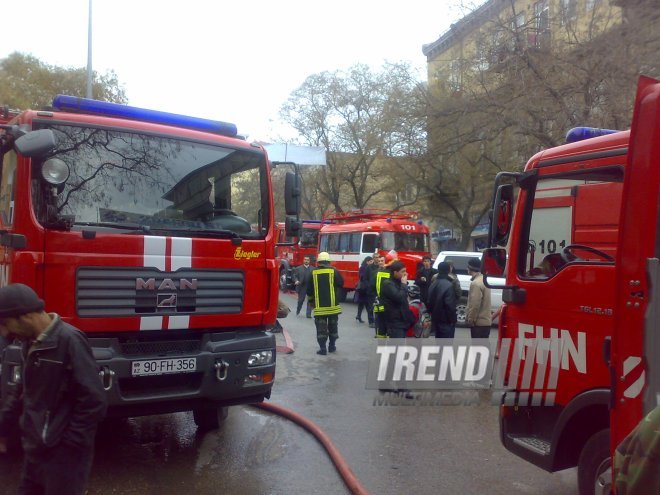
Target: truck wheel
x=595, y=465
x=210, y=418
x=461, y=312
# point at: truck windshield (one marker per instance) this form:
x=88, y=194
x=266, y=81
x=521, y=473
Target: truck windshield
x=119, y=180
x=574, y=218
x=402, y=241
x=309, y=237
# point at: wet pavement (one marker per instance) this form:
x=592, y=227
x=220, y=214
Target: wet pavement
x=391, y=449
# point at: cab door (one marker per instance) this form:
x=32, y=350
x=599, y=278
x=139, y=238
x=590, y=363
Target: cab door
x=635, y=356
x=7, y=200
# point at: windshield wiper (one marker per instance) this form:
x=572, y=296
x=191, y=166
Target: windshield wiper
x=201, y=232
x=127, y=226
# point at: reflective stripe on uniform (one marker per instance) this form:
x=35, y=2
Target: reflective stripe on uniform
x=332, y=308
x=380, y=276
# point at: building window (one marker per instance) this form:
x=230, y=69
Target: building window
x=568, y=13
x=591, y=4
x=455, y=81
x=407, y=195
x=517, y=31
x=542, y=25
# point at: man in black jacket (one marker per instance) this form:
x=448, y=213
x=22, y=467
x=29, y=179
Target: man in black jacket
x=60, y=399
x=442, y=303
x=394, y=296
x=424, y=278
x=302, y=275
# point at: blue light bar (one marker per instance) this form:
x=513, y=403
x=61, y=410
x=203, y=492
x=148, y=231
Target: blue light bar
x=581, y=133
x=84, y=105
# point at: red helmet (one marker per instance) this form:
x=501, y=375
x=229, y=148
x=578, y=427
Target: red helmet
x=391, y=257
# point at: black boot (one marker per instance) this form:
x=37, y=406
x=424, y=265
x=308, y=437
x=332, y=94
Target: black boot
x=322, y=351
x=331, y=346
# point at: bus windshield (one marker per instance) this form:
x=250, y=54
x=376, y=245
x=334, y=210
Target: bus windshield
x=403, y=241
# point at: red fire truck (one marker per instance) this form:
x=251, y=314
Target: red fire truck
x=583, y=279
x=291, y=250
x=147, y=231
x=352, y=236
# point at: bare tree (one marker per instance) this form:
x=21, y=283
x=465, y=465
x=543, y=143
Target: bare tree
x=359, y=116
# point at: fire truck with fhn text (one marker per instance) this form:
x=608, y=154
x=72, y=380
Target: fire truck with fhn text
x=349, y=237
x=581, y=294
x=154, y=234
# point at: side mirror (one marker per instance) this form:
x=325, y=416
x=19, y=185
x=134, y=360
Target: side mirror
x=292, y=191
x=494, y=262
x=292, y=227
x=501, y=216
x=36, y=143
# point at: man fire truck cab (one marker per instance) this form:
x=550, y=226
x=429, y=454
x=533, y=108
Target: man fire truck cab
x=583, y=283
x=352, y=236
x=147, y=231
x=290, y=251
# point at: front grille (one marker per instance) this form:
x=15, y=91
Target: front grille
x=155, y=348
x=113, y=292
x=146, y=386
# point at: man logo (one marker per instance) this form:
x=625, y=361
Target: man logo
x=166, y=284
x=167, y=300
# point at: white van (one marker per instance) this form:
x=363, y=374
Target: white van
x=460, y=261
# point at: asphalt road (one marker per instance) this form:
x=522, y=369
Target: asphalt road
x=391, y=449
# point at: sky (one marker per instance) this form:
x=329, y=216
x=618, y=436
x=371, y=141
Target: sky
x=233, y=61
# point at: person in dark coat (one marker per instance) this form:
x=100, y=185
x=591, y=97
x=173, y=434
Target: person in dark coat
x=442, y=304
x=361, y=290
x=60, y=398
x=394, y=297
x=301, y=277
x=424, y=278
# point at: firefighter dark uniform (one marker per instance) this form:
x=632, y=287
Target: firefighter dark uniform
x=322, y=292
x=379, y=308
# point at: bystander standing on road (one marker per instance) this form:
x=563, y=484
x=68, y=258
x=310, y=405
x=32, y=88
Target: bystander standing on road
x=455, y=282
x=394, y=297
x=301, y=276
x=361, y=291
x=477, y=314
x=323, y=292
x=60, y=399
x=442, y=304
x=424, y=278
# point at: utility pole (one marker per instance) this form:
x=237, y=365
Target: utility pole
x=89, y=53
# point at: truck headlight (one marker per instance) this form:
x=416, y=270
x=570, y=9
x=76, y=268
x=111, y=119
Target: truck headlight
x=260, y=358
x=55, y=171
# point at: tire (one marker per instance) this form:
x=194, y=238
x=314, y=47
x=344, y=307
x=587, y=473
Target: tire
x=210, y=418
x=461, y=312
x=595, y=465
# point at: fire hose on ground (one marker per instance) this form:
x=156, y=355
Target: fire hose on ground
x=351, y=481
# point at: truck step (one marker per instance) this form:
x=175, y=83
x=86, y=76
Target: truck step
x=534, y=444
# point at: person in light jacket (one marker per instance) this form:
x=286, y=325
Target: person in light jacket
x=478, y=316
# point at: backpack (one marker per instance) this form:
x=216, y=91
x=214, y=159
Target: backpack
x=422, y=326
